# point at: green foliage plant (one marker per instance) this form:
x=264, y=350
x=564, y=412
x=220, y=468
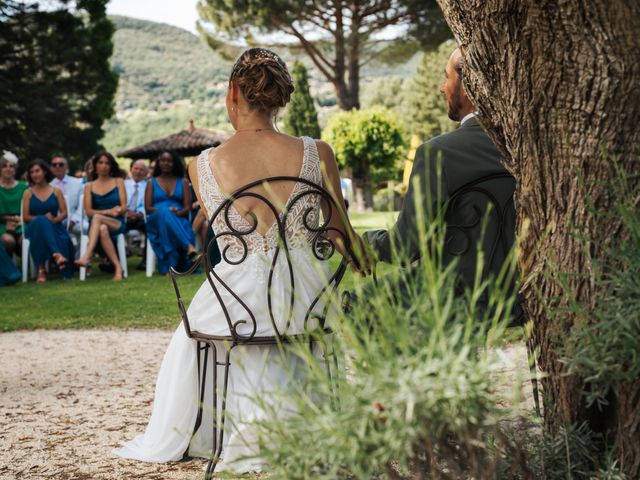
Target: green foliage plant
x=370, y=142
x=385, y=92
x=602, y=348
x=413, y=396
x=605, y=350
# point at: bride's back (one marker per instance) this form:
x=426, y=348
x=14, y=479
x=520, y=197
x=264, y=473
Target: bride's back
x=252, y=156
x=259, y=85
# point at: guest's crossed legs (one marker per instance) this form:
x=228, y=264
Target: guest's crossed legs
x=101, y=228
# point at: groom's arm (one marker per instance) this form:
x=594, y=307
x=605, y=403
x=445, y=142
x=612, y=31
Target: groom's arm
x=427, y=187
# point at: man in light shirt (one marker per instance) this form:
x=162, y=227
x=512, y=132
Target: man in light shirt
x=135, y=187
x=72, y=189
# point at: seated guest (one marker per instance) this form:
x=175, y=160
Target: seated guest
x=9, y=272
x=72, y=190
x=105, y=201
x=43, y=210
x=168, y=203
x=11, y=191
x=88, y=171
x=135, y=187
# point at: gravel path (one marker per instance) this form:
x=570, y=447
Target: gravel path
x=68, y=397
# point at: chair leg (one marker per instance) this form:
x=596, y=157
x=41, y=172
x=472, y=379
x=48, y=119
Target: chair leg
x=122, y=255
x=25, y=259
x=151, y=260
x=218, y=431
x=84, y=243
x=202, y=383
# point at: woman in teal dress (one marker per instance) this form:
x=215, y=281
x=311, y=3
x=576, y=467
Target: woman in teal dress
x=9, y=272
x=105, y=202
x=11, y=191
x=43, y=210
x=168, y=203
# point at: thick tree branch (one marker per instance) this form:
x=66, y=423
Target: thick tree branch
x=318, y=58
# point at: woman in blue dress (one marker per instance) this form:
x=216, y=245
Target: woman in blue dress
x=9, y=273
x=43, y=210
x=168, y=203
x=105, y=202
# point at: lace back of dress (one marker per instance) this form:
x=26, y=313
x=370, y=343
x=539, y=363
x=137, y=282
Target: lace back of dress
x=238, y=237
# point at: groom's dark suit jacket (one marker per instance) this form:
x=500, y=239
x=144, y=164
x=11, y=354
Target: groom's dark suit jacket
x=466, y=156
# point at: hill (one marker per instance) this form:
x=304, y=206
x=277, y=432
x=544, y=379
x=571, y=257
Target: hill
x=159, y=64
x=169, y=75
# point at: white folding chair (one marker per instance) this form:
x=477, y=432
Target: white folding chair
x=151, y=258
x=27, y=261
x=84, y=242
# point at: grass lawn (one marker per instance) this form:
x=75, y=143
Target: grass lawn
x=138, y=301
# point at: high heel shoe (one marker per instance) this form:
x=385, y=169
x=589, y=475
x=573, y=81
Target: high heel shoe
x=60, y=260
x=80, y=263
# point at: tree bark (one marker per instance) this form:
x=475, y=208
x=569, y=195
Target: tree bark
x=362, y=194
x=558, y=85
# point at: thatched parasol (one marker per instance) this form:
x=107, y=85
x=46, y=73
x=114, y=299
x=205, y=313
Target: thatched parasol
x=187, y=143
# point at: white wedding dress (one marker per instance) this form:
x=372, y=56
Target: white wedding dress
x=256, y=371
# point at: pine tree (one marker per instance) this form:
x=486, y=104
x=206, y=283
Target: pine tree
x=57, y=85
x=302, y=118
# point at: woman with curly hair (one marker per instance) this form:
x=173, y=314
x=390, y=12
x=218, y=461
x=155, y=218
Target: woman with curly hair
x=168, y=204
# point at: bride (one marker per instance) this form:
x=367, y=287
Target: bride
x=258, y=86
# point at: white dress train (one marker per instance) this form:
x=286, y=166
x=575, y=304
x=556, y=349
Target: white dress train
x=255, y=371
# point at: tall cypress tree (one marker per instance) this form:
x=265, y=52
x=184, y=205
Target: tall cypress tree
x=56, y=83
x=302, y=118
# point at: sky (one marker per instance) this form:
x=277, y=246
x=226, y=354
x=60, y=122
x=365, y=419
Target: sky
x=181, y=13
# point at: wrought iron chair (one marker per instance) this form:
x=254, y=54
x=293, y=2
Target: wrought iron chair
x=489, y=198
x=323, y=248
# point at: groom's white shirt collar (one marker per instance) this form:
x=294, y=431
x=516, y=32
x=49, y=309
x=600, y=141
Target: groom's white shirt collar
x=468, y=116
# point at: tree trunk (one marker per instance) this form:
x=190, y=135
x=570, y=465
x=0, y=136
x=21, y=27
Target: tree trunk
x=353, y=60
x=362, y=194
x=344, y=96
x=558, y=84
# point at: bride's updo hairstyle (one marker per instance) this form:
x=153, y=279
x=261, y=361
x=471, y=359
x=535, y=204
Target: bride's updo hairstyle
x=263, y=79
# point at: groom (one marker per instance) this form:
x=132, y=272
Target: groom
x=465, y=155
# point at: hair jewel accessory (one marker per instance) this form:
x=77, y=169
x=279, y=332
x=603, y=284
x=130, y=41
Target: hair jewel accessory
x=10, y=157
x=243, y=63
x=266, y=54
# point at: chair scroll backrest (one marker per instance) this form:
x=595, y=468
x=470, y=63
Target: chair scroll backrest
x=299, y=224
x=482, y=213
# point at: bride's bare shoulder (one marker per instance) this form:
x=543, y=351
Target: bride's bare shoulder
x=325, y=151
